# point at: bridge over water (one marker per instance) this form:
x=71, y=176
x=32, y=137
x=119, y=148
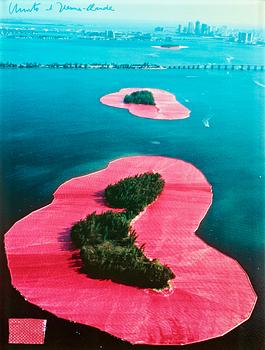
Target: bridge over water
x=145, y=66
x=220, y=67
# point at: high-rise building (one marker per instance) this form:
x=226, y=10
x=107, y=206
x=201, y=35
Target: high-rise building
x=204, y=29
x=198, y=28
x=190, y=28
x=242, y=37
x=179, y=30
x=185, y=30
x=250, y=37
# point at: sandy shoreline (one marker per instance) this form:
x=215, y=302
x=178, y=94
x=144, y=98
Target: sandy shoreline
x=210, y=295
x=167, y=107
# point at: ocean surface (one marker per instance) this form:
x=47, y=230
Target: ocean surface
x=53, y=128
x=113, y=51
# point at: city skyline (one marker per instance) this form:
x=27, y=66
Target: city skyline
x=245, y=13
x=187, y=30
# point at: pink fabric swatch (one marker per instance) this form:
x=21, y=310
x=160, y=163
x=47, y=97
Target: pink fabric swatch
x=26, y=331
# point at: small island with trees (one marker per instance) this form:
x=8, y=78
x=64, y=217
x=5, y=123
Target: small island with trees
x=147, y=102
x=170, y=47
x=144, y=97
x=107, y=242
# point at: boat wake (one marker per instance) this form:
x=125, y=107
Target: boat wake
x=259, y=84
x=229, y=59
x=206, y=122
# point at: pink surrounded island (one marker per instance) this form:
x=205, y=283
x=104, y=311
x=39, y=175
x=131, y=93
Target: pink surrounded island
x=166, y=105
x=170, y=47
x=210, y=295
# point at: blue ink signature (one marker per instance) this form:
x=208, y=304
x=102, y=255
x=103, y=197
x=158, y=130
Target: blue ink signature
x=91, y=7
x=62, y=7
x=57, y=6
x=15, y=8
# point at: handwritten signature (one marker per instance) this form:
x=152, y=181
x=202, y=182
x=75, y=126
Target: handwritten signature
x=57, y=6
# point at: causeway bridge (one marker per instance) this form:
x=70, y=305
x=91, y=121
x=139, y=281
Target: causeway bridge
x=145, y=66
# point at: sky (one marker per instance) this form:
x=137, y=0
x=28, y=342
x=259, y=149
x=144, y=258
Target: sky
x=242, y=13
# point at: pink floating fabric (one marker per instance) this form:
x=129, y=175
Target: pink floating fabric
x=167, y=107
x=26, y=331
x=210, y=295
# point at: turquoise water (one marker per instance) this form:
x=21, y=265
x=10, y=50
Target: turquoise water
x=87, y=51
x=53, y=128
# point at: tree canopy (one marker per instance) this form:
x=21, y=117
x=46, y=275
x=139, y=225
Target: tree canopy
x=144, y=97
x=107, y=241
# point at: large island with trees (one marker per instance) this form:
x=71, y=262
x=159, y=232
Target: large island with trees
x=107, y=242
x=210, y=295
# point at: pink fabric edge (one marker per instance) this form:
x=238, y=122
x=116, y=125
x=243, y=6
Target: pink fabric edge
x=249, y=299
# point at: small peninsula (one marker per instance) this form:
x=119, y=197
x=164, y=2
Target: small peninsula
x=107, y=242
x=147, y=103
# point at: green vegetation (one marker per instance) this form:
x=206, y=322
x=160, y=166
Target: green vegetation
x=107, y=241
x=96, y=229
x=134, y=193
x=143, y=97
x=168, y=46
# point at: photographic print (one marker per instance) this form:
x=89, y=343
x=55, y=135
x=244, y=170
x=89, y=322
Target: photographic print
x=132, y=174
